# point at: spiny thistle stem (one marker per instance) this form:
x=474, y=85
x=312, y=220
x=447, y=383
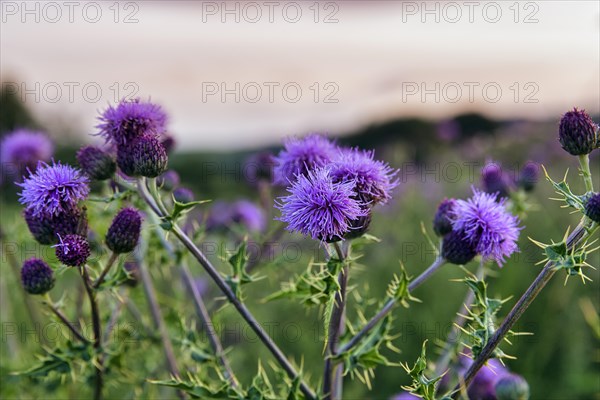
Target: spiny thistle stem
x=584, y=162
x=158, y=320
x=389, y=306
x=580, y=233
x=459, y=321
x=97, y=331
x=331, y=388
x=201, y=310
x=228, y=292
x=64, y=319
x=109, y=264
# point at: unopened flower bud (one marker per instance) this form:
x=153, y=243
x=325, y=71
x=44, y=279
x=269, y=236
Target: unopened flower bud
x=512, y=387
x=73, y=250
x=36, y=276
x=442, y=221
x=124, y=232
x=457, y=249
x=96, y=163
x=577, y=132
x=592, y=207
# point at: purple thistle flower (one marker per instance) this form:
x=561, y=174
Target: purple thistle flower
x=124, y=231
x=577, y=132
x=130, y=119
x=73, y=250
x=54, y=188
x=301, y=156
x=494, y=180
x=249, y=215
x=183, y=195
x=319, y=208
x=24, y=148
x=592, y=207
x=529, y=176
x=36, y=276
x=442, y=221
x=96, y=163
x=373, y=179
x=487, y=225
x=259, y=167
x=46, y=228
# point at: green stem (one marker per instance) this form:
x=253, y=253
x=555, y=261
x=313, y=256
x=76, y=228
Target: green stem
x=581, y=233
x=97, y=331
x=109, y=264
x=389, y=306
x=332, y=379
x=584, y=162
x=48, y=301
x=154, y=204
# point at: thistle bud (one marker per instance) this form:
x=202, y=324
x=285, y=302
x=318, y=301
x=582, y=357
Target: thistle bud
x=359, y=226
x=494, y=180
x=124, y=232
x=512, y=387
x=577, y=132
x=592, y=207
x=168, y=181
x=46, y=229
x=73, y=250
x=96, y=163
x=442, y=221
x=529, y=176
x=149, y=156
x=183, y=195
x=36, y=276
x=457, y=249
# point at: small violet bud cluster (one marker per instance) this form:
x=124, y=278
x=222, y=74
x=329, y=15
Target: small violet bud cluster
x=124, y=232
x=495, y=180
x=332, y=189
x=137, y=129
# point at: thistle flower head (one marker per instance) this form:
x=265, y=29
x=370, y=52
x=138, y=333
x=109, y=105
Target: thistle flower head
x=374, y=180
x=577, y=132
x=592, y=207
x=144, y=156
x=300, y=156
x=72, y=250
x=36, y=276
x=124, y=231
x=249, y=215
x=494, y=180
x=130, y=119
x=183, y=195
x=511, y=387
x=528, y=176
x=320, y=208
x=487, y=225
x=442, y=221
x=53, y=189
x=25, y=148
x=46, y=228
x=96, y=163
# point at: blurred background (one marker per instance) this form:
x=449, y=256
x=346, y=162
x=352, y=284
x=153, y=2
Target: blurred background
x=437, y=89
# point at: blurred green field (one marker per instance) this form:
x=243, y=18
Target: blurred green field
x=560, y=361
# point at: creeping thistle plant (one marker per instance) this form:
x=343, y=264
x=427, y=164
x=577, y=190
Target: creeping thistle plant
x=332, y=192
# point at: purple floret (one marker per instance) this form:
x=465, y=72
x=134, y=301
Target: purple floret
x=319, y=208
x=53, y=189
x=486, y=223
x=374, y=180
x=301, y=156
x=130, y=119
x=25, y=148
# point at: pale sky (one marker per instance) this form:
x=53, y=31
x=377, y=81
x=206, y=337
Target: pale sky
x=376, y=60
